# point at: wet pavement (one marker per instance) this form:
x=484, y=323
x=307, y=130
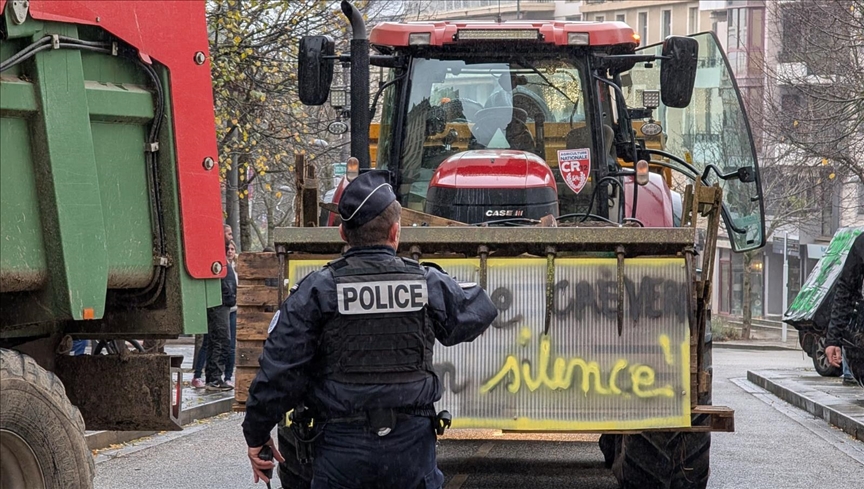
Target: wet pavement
x=841, y=405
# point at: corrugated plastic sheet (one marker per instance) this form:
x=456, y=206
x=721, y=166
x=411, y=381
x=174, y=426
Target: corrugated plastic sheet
x=581, y=375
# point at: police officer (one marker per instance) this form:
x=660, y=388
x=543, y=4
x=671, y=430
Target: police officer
x=846, y=328
x=354, y=342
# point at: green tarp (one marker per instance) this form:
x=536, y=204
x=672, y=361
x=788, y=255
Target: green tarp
x=812, y=306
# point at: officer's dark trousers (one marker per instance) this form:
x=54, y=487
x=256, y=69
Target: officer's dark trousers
x=218, y=341
x=350, y=456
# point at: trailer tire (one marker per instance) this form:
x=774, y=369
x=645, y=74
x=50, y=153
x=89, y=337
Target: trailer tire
x=663, y=460
x=292, y=474
x=41, y=433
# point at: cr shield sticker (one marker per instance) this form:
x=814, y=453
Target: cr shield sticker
x=575, y=165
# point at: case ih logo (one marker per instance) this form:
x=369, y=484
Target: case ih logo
x=575, y=165
x=504, y=213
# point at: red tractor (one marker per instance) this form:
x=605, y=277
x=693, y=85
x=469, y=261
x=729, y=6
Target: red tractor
x=550, y=151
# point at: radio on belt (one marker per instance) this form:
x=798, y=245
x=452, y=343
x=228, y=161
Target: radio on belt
x=381, y=297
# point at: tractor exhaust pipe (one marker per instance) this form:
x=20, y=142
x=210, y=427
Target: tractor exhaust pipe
x=359, y=85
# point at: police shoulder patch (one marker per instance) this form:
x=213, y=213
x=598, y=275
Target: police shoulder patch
x=274, y=322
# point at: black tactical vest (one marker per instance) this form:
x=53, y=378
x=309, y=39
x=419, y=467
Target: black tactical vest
x=381, y=334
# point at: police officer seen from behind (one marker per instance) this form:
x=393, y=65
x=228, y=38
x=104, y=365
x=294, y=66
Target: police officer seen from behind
x=846, y=328
x=353, y=342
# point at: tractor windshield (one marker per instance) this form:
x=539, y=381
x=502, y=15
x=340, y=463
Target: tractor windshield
x=454, y=105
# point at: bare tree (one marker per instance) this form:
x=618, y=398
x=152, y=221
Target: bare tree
x=260, y=121
x=815, y=92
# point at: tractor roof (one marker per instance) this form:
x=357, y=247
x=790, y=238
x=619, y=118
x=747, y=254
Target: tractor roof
x=548, y=32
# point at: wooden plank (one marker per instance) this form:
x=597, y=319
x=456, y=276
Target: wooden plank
x=238, y=407
x=252, y=323
x=252, y=266
x=257, y=295
x=243, y=379
x=247, y=353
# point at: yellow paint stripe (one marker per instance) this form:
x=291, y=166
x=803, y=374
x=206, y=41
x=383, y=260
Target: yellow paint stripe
x=521, y=262
x=528, y=424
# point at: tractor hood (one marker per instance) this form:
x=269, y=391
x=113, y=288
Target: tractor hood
x=494, y=168
x=485, y=185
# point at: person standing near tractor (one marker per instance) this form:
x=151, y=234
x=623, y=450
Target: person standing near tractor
x=846, y=328
x=354, y=344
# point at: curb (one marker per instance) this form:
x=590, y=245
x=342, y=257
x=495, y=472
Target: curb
x=819, y=404
x=743, y=346
x=103, y=439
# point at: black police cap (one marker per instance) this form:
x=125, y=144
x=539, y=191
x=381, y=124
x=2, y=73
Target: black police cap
x=365, y=197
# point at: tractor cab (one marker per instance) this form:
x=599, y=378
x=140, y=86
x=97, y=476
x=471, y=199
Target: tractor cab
x=504, y=123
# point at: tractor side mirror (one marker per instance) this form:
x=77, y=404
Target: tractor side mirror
x=678, y=70
x=315, y=69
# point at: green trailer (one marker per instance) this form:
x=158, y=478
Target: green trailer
x=110, y=223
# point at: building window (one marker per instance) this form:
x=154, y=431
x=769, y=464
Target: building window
x=621, y=18
x=577, y=17
x=693, y=20
x=860, y=198
x=738, y=28
x=599, y=18
x=666, y=17
x=643, y=28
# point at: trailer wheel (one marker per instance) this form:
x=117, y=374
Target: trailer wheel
x=820, y=360
x=42, y=442
x=292, y=474
x=663, y=460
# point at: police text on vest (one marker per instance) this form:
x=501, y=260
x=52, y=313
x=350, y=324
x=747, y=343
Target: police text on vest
x=391, y=296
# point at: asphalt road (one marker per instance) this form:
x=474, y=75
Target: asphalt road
x=774, y=446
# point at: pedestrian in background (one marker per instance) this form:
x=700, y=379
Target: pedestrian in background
x=368, y=371
x=232, y=319
x=199, y=359
x=78, y=347
x=846, y=328
x=218, y=331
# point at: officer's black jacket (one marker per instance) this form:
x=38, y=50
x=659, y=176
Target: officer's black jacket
x=847, y=292
x=285, y=378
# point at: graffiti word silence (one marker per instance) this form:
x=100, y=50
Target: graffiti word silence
x=623, y=379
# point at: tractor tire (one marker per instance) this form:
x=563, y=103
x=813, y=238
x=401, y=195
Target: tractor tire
x=820, y=361
x=42, y=443
x=663, y=460
x=292, y=474
x=610, y=445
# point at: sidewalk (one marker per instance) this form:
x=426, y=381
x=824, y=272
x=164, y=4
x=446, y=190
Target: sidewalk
x=823, y=397
x=764, y=339
x=755, y=344
x=196, y=404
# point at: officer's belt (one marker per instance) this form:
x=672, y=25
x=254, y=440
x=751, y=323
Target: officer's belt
x=403, y=413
